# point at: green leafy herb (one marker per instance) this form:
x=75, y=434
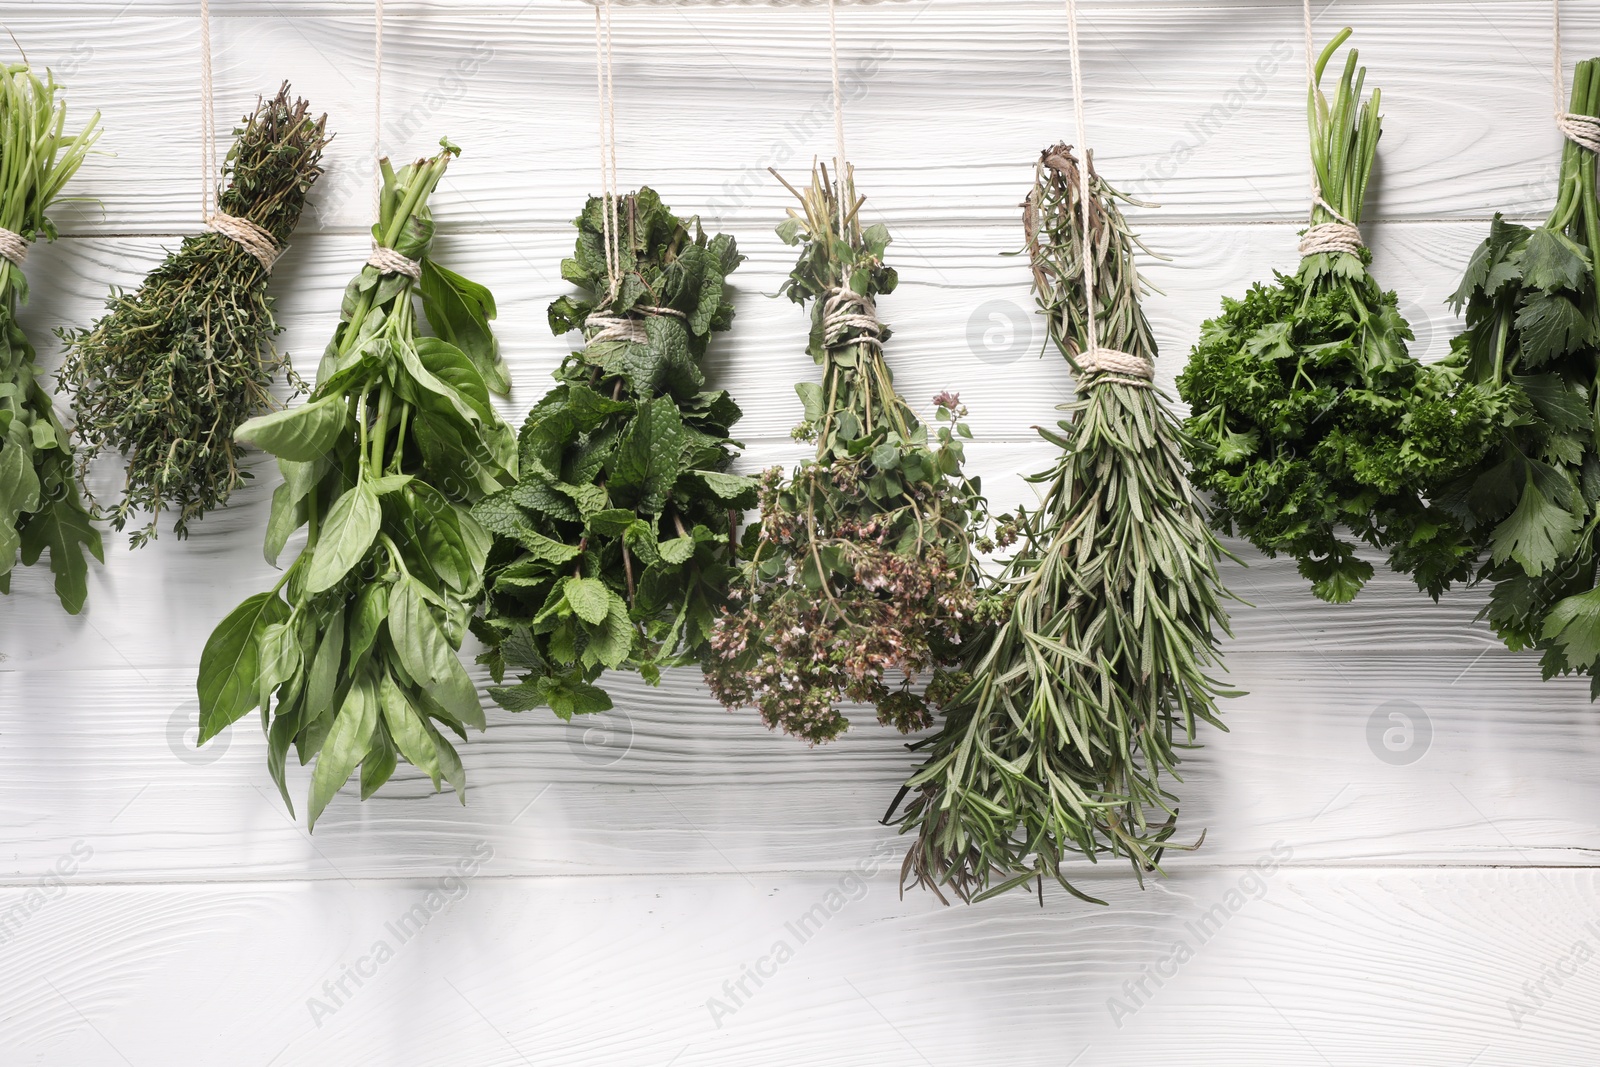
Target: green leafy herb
x=613, y=548
x=358, y=639
x=40, y=506
x=176, y=366
x=862, y=562
x=1098, y=669
x=1310, y=414
x=1532, y=338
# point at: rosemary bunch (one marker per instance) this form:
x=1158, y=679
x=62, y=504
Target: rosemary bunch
x=40, y=507
x=1075, y=705
x=1532, y=337
x=1311, y=418
x=862, y=562
x=613, y=548
x=177, y=365
x=358, y=639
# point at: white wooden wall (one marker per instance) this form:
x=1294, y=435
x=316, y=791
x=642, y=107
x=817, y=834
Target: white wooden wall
x=1432, y=907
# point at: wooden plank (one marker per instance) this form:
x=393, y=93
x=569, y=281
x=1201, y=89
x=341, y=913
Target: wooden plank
x=1278, y=967
x=950, y=103
x=1487, y=765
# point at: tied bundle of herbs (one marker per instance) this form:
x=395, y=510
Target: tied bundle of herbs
x=613, y=550
x=168, y=376
x=1532, y=338
x=1311, y=416
x=358, y=639
x=1097, y=671
x=863, y=560
x=40, y=507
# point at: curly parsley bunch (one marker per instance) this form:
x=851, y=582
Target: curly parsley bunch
x=1315, y=429
x=863, y=561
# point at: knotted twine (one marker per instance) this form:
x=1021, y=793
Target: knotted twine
x=241, y=231
x=1341, y=235
x=845, y=310
x=1096, y=359
x=1582, y=130
x=385, y=259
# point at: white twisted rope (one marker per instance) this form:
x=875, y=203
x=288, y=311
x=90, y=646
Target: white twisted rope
x=1331, y=237
x=388, y=261
x=846, y=310
x=248, y=236
x=13, y=246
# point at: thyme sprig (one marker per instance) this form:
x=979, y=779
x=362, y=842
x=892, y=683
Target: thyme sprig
x=177, y=365
x=1100, y=668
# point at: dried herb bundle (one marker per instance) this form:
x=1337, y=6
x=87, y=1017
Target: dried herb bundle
x=1532, y=338
x=1309, y=412
x=862, y=562
x=359, y=637
x=613, y=549
x=176, y=366
x=40, y=507
x=1072, y=715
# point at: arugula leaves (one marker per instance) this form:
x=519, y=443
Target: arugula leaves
x=1532, y=338
x=612, y=549
x=1311, y=421
x=862, y=562
x=358, y=641
x=40, y=506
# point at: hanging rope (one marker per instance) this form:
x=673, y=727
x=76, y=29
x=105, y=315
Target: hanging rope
x=838, y=113
x=386, y=260
x=1094, y=359
x=1582, y=130
x=246, y=234
x=1342, y=234
x=605, y=87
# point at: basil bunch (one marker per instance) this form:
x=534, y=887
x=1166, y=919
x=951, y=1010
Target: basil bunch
x=613, y=548
x=40, y=507
x=359, y=637
x=863, y=561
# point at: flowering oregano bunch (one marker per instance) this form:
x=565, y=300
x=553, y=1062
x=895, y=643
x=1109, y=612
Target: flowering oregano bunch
x=862, y=563
x=1098, y=669
x=614, y=547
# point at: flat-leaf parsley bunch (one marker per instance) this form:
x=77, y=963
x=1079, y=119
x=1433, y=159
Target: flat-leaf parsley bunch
x=1310, y=416
x=1533, y=335
x=863, y=561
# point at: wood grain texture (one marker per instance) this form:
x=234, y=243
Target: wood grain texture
x=1280, y=968
x=1430, y=800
